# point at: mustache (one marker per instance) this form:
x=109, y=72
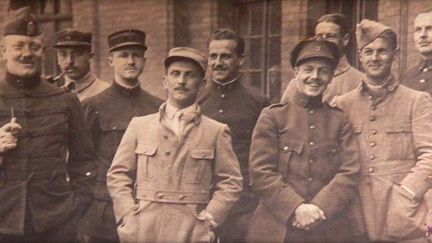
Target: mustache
x=26, y=61
x=181, y=88
x=219, y=68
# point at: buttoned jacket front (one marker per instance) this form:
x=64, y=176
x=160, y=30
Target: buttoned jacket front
x=199, y=169
x=419, y=77
x=302, y=151
x=395, y=146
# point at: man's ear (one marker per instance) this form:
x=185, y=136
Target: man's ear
x=3, y=50
x=396, y=54
x=165, y=81
x=110, y=60
x=242, y=59
x=346, y=39
x=296, y=70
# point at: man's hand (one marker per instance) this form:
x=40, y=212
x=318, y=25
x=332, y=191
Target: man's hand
x=306, y=215
x=8, y=136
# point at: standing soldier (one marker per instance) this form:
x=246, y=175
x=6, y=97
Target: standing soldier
x=335, y=28
x=74, y=58
x=108, y=115
x=229, y=101
x=175, y=176
x=392, y=124
x=43, y=191
x=420, y=76
x=304, y=163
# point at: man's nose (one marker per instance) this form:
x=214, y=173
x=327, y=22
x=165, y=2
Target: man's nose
x=27, y=51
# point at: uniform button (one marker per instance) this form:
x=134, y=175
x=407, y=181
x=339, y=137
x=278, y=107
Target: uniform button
x=181, y=197
x=285, y=148
x=372, y=157
x=310, y=179
x=311, y=161
x=333, y=150
x=312, y=127
x=425, y=69
x=311, y=112
x=114, y=128
x=370, y=97
x=167, y=153
x=169, y=166
x=371, y=170
x=165, y=136
x=160, y=195
x=88, y=173
x=422, y=81
x=372, y=118
x=372, y=144
x=373, y=131
x=373, y=108
x=222, y=95
x=221, y=111
x=311, y=143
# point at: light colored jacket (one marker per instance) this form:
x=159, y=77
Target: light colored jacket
x=395, y=140
x=153, y=166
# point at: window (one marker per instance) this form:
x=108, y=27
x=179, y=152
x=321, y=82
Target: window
x=259, y=23
x=52, y=15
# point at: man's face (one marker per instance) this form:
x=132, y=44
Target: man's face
x=377, y=58
x=74, y=60
x=423, y=34
x=223, y=60
x=313, y=76
x=23, y=54
x=183, y=80
x=128, y=62
x=331, y=32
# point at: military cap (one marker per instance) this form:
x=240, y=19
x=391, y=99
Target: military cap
x=194, y=55
x=314, y=48
x=21, y=22
x=369, y=30
x=72, y=37
x=128, y=37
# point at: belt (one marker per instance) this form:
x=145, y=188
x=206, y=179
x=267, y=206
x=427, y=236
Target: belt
x=173, y=197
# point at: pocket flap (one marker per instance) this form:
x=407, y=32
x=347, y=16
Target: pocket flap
x=113, y=126
x=291, y=146
x=146, y=149
x=396, y=128
x=202, y=154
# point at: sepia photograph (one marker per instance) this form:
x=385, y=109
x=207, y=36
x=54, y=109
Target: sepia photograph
x=216, y=121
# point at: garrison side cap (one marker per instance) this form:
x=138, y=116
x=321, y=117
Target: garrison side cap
x=194, y=55
x=128, y=37
x=368, y=30
x=72, y=37
x=21, y=22
x=314, y=48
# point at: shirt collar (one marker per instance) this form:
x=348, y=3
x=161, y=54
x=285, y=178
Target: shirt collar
x=425, y=65
x=306, y=101
x=80, y=85
x=22, y=83
x=126, y=91
x=228, y=84
x=342, y=66
x=192, y=112
x=390, y=84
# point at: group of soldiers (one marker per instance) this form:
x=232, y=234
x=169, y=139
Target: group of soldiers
x=346, y=156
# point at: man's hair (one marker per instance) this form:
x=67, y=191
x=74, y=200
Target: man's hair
x=338, y=19
x=229, y=34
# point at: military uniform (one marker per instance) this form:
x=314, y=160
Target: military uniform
x=419, y=77
x=391, y=123
x=108, y=115
x=171, y=184
x=345, y=79
x=303, y=151
x=89, y=85
x=43, y=191
x=239, y=107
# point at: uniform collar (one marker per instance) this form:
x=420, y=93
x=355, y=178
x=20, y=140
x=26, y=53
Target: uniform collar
x=22, y=83
x=190, y=113
x=305, y=101
x=126, y=91
x=342, y=66
x=390, y=84
x=226, y=85
x=425, y=65
x=80, y=85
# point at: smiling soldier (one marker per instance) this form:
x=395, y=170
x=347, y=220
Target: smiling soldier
x=392, y=124
x=303, y=163
x=175, y=176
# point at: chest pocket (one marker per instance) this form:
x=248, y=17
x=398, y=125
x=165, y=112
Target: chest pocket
x=399, y=141
x=146, y=166
x=287, y=149
x=200, y=165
